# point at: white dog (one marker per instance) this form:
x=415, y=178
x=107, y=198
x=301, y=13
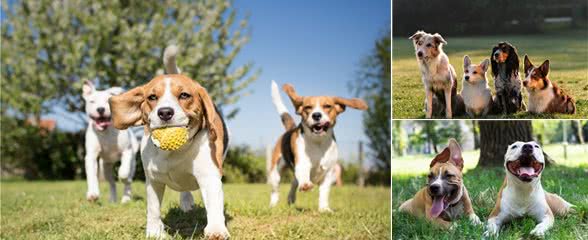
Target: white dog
x=107, y=143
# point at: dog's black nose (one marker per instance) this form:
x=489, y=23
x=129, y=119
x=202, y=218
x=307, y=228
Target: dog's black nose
x=316, y=116
x=165, y=113
x=100, y=110
x=434, y=188
x=467, y=78
x=420, y=54
x=527, y=148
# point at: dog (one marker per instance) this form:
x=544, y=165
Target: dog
x=309, y=148
x=544, y=95
x=106, y=143
x=178, y=101
x=521, y=193
x=438, y=75
x=445, y=198
x=475, y=91
x=505, y=70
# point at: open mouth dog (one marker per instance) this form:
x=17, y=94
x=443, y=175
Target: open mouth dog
x=102, y=122
x=525, y=168
x=320, y=128
x=442, y=201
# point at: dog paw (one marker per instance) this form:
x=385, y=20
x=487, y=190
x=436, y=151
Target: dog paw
x=474, y=219
x=305, y=187
x=539, y=231
x=156, y=230
x=186, y=206
x=492, y=230
x=217, y=231
x=125, y=199
x=92, y=196
x=325, y=210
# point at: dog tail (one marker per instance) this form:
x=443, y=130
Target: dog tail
x=169, y=60
x=287, y=120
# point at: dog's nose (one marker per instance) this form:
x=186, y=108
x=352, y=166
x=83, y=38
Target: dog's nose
x=467, y=78
x=316, y=116
x=420, y=54
x=165, y=113
x=100, y=110
x=527, y=148
x=434, y=188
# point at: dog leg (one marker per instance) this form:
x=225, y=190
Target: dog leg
x=274, y=181
x=186, y=201
x=91, y=165
x=468, y=209
x=292, y=193
x=545, y=223
x=154, y=194
x=448, y=110
x=125, y=174
x=494, y=223
x=108, y=174
x=212, y=196
x=429, y=103
x=324, y=190
x=302, y=173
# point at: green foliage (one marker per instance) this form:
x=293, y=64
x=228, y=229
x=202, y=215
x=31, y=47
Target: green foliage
x=243, y=165
x=399, y=140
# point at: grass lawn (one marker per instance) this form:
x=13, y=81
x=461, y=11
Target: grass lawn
x=567, y=52
x=568, y=179
x=58, y=210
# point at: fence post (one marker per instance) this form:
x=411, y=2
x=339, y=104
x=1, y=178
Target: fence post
x=361, y=179
x=565, y=140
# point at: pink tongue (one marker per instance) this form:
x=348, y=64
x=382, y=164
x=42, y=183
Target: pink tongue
x=438, y=206
x=526, y=171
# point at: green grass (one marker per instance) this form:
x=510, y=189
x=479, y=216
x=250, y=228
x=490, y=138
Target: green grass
x=58, y=210
x=567, y=52
x=568, y=179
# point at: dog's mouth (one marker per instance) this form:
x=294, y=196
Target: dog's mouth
x=442, y=201
x=526, y=168
x=102, y=122
x=320, y=128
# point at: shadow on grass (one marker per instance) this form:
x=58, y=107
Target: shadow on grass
x=188, y=225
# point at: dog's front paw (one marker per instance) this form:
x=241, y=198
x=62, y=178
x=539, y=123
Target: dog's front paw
x=539, y=230
x=125, y=199
x=325, y=210
x=492, y=230
x=156, y=230
x=305, y=187
x=216, y=231
x=474, y=219
x=92, y=196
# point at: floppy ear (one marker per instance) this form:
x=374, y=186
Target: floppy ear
x=87, y=89
x=466, y=62
x=115, y=91
x=353, y=103
x=455, y=153
x=126, y=108
x=296, y=100
x=528, y=64
x=545, y=67
x=494, y=63
x=484, y=65
x=417, y=35
x=512, y=61
x=439, y=39
x=216, y=133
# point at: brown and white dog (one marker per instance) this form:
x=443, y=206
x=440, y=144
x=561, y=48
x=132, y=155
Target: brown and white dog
x=521, y=193
x=177, y=100
x=309, y=148
x=475, y=91
x=544, y=95
x=438, y=75
x=445, y=198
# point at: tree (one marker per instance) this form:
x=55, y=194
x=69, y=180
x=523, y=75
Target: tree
x=495, y=136
x=49, y=46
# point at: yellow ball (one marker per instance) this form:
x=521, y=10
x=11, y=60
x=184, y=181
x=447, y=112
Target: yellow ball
x=170, y=138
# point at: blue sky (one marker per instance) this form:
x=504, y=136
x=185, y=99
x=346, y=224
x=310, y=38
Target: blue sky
x=315, y=45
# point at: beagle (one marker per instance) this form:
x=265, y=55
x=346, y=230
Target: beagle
x=309, y=147
x=175, y=100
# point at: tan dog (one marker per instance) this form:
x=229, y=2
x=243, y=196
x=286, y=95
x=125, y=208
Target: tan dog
x=309, y=148
x=521, y=193
x=445, y=198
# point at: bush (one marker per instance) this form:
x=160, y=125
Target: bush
x=243, y=165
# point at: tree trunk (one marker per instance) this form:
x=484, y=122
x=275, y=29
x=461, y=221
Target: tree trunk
x=476, y=134
x=577, y=131
x=495, y=136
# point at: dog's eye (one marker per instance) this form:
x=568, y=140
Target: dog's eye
x=152, y=97
x=327, y=106
x=419, y=43
x=536, y=146
x=514, y=147
x=475, y=72
x=307, y=108
x=429, y=45
x=466, y=71
x=449, y=175
x=185, y=95
x=430, y=175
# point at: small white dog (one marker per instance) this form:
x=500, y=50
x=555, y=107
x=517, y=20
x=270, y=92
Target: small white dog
x=475, y=91
x=107, y=143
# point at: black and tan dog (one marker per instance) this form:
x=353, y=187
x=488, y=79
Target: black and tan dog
x=505, y=70
x=445, y=198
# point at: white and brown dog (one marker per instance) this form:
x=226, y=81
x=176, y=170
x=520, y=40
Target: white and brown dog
x=544, y=95
x=309, y=148
x=176, y=100
x=475, y=91
x=108, y=144
x=521, y=193
x=445, y=198
x=438, y=75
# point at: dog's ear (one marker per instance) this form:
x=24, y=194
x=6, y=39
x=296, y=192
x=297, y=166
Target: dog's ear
x=417, y=35
x=466, y=62
x=439, y=39
x=126, y=108
x=87, y=89
x=115, y=91
x=544, y=67
x=528, y=64
x=296, y=100
x=216, y=131
x=441, y=157
x=455, y=153
x=356, y=103
x=484, y=65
